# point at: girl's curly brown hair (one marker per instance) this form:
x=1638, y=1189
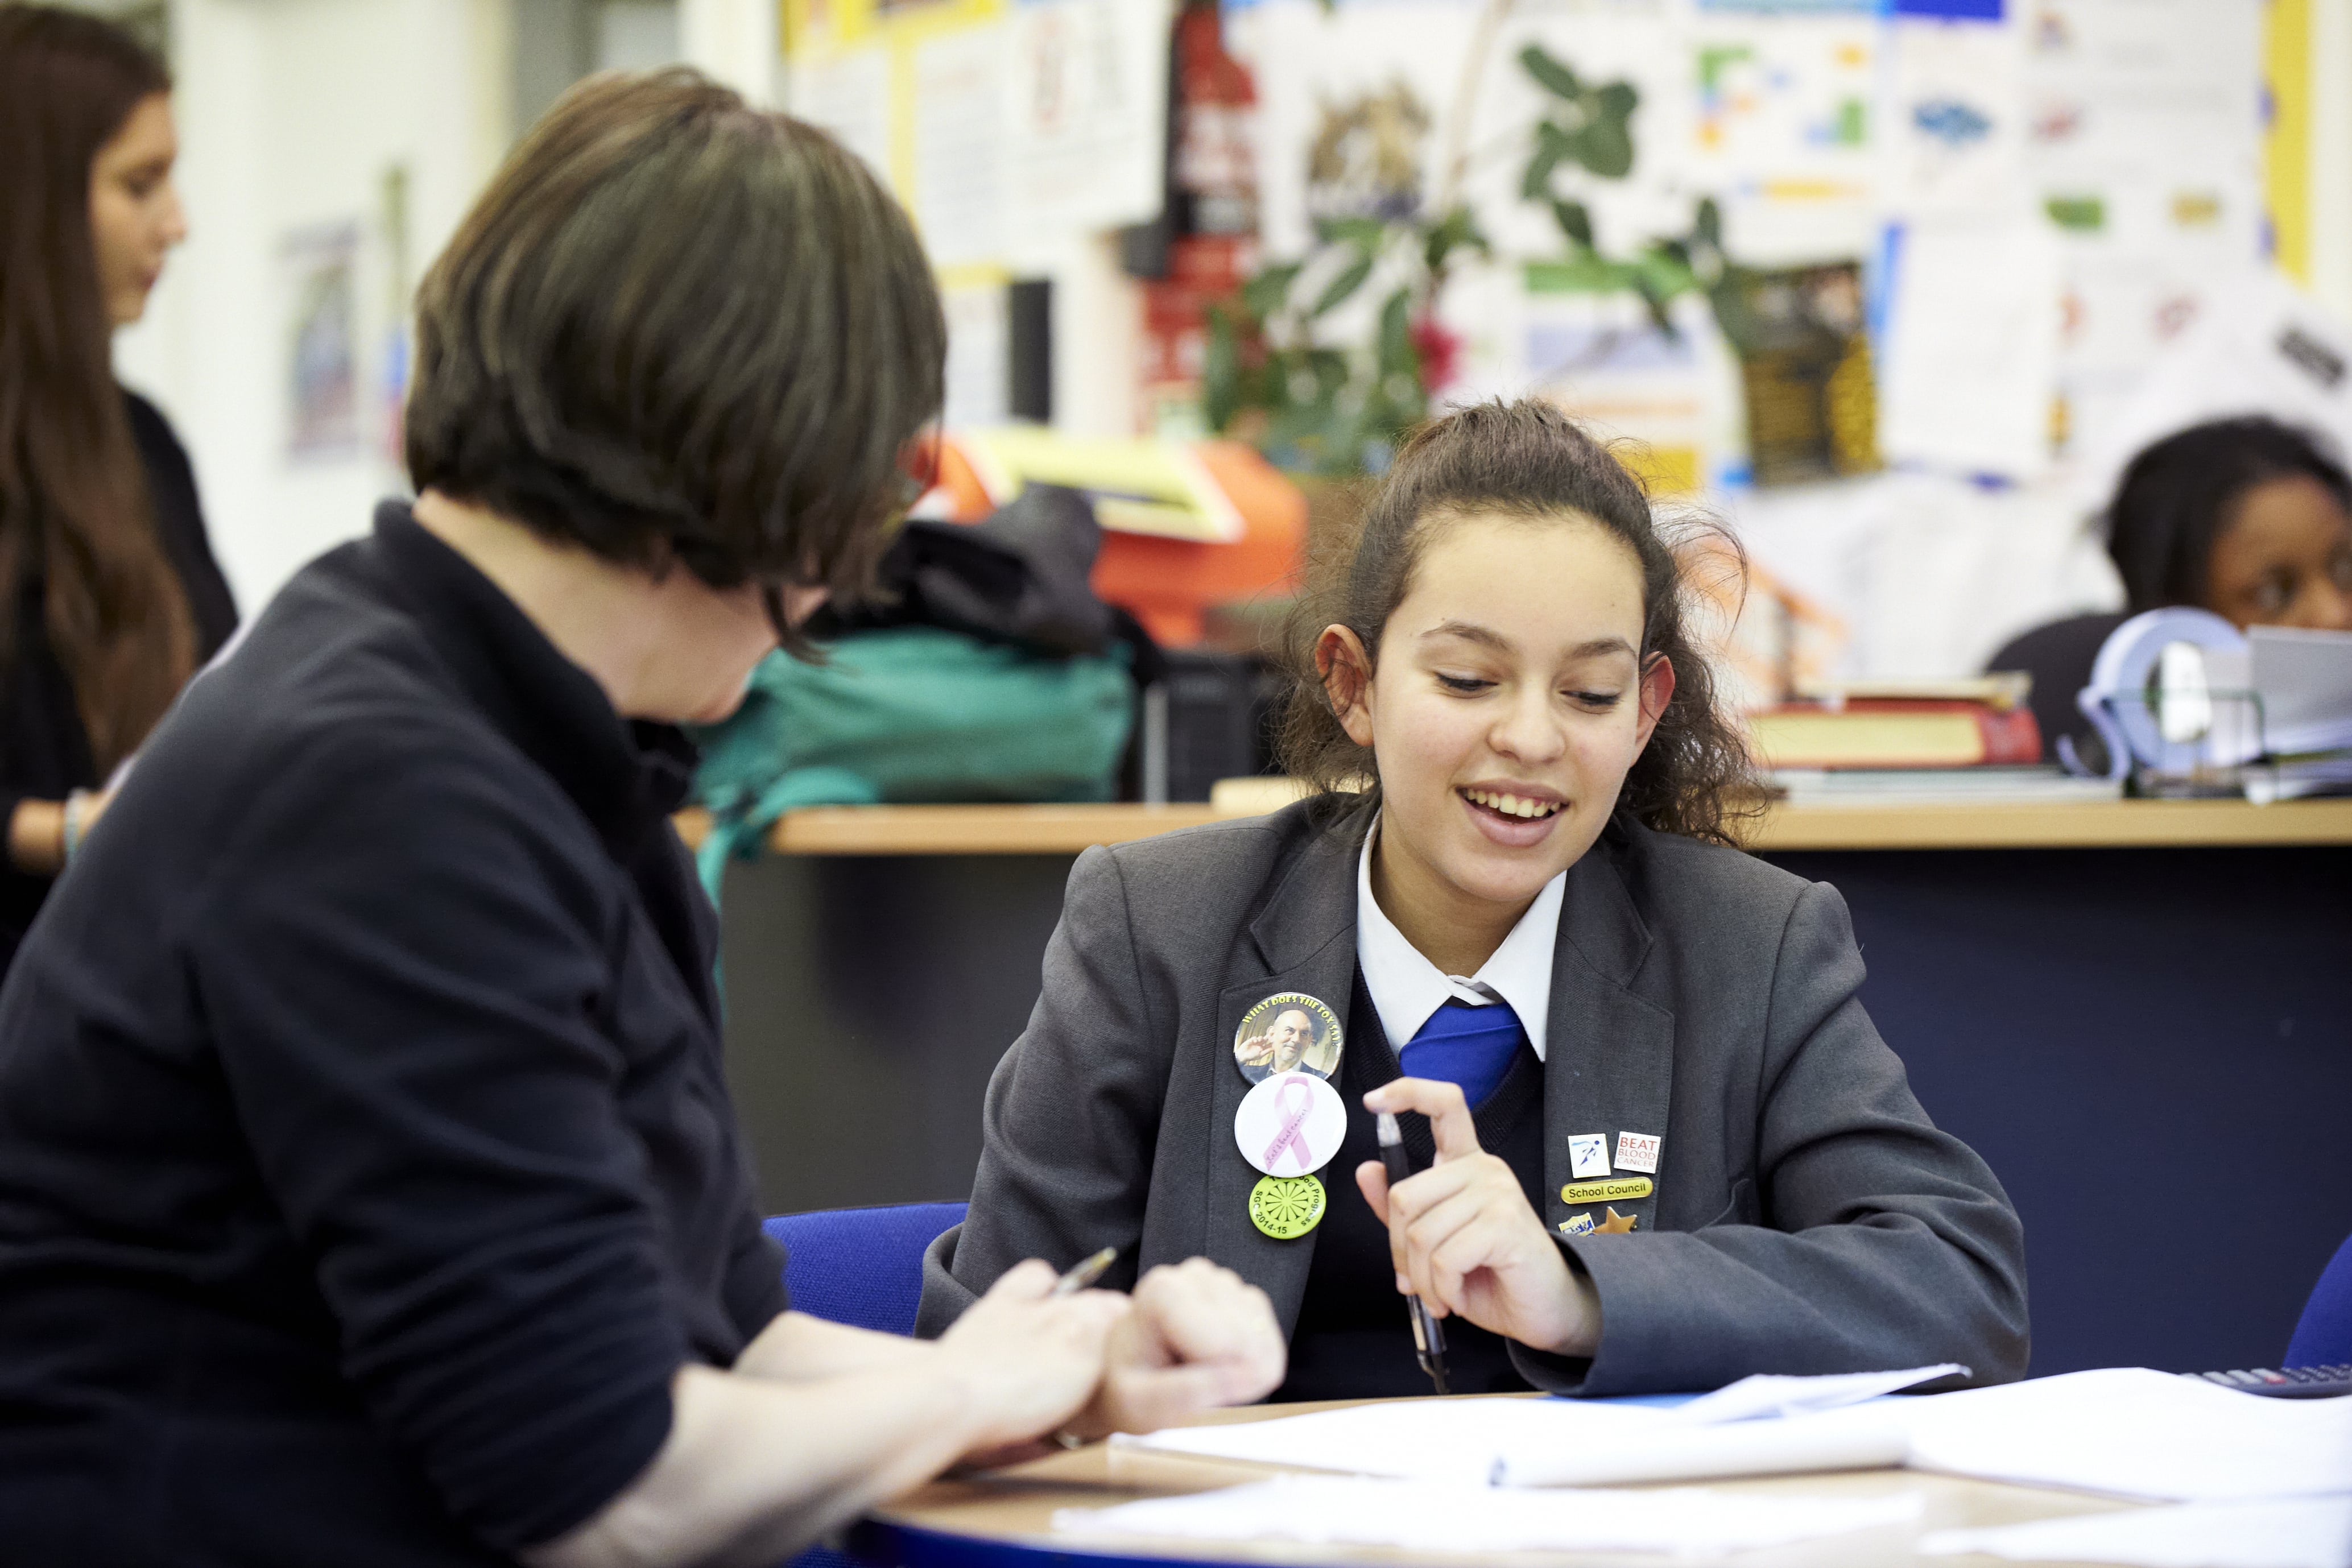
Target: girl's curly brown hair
x=1523, y=459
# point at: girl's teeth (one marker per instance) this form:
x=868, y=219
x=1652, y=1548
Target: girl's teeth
x=1509, y=805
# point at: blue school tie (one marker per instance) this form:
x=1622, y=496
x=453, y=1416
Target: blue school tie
x=1466, y=1045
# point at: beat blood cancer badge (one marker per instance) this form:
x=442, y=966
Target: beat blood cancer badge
x=1290, y=1126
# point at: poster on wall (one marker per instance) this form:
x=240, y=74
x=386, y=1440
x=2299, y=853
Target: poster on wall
x=1972, y=346
x=2143, y=154
x=1383, y=106
x=1000, y=123
x=1086, y=112
x=1786, y=131
x=957, y=196
x=322, y=377
x=849, y=95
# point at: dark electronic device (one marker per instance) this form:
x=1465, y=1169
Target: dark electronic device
x=2288, y=1382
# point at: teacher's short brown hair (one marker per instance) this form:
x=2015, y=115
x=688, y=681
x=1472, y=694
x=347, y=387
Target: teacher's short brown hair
x=679, y=330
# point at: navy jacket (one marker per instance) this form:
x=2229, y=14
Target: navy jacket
x=366, y=1171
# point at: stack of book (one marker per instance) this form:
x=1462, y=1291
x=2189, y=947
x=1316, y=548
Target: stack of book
x=1969, y=739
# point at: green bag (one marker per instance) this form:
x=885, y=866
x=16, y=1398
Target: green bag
x=910, y=714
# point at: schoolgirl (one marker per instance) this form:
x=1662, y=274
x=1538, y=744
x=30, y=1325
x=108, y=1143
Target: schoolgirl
x=1659, y=1143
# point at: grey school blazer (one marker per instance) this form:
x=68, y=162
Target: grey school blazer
x=1807, y=1216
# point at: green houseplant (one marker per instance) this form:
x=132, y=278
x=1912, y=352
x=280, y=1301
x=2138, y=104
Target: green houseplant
x=1275, y=374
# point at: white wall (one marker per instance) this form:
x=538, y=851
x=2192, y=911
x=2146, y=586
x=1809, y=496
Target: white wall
x=2331, y=155
x=290, y=113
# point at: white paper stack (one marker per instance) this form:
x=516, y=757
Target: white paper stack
x=2130, y=1432
x=1759, y=1425
x=1459, y=1518
x=2301, y=1532
x=2125, y=1432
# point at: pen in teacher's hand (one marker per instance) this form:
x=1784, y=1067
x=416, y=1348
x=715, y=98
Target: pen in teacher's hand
x=1428, y=1335
x=1086, y=1274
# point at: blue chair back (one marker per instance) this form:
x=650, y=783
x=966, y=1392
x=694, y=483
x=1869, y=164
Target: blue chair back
x=2323, y=1337
x=861, y=1266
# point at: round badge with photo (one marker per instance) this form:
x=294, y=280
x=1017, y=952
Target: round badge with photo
x=1288, y=1032
x=1290, y=1124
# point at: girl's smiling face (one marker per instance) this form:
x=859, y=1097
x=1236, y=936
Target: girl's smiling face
x=1510, y=699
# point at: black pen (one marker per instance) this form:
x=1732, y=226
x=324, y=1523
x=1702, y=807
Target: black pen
x=1428, y=1334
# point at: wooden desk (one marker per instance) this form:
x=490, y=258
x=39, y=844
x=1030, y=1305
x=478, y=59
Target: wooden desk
x=1005, y=1519
x=1863, y=825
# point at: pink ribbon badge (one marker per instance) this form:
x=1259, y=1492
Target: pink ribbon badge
x=1290, y=1137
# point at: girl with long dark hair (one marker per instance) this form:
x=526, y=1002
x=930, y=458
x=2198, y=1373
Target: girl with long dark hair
x=108, y=593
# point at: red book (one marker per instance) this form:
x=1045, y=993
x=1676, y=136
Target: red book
x=1893, y=734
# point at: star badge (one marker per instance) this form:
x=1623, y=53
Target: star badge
x=1618, y=1224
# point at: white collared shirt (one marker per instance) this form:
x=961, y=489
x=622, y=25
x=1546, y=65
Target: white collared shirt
x=1407, y=988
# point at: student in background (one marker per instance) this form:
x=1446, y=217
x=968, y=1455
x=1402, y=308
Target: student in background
x=108, y=593
x=1670, y=1149
x=368, y=1188
x=2247, y=518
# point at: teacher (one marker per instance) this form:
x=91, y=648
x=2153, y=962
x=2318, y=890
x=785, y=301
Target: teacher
x=369, y=1190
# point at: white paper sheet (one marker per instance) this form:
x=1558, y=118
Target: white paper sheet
x=1426, y=1440
x=1567, y=1442
x=2306, y=1533
x=2135, y=1433
x=1088, y=108
x=2305, y=678
x=1972, y=347
x=1768, y=1394
x=849, y=95
x=1435, y=1516
x=959, y=145
x=980, y=353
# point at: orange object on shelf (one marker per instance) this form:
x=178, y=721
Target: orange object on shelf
x=1170, y=584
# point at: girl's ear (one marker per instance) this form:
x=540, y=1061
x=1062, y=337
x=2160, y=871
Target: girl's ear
x=1657, y=690
x=1347, y=672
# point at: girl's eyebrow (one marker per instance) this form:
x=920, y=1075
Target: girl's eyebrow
x=1471, y=632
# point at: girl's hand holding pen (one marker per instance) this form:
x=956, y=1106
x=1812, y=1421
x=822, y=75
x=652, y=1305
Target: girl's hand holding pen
x=1464, y=1239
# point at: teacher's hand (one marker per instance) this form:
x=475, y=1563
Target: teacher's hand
x=1028, y=1360
x=1197, y=1338
x=1464, y=1239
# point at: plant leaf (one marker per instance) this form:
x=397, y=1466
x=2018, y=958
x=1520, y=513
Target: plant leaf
x=1330, y=369
x=1553, y=75
x=1616, y=101
x=1364, y=234
x=1337, y=292
x=1606, y=147
x=1263, y=296
x=1396, y=353
x=1550, y=147
x=1575, y=222
x=1457, y=229
x=1647, y=288
x=1220, y=389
